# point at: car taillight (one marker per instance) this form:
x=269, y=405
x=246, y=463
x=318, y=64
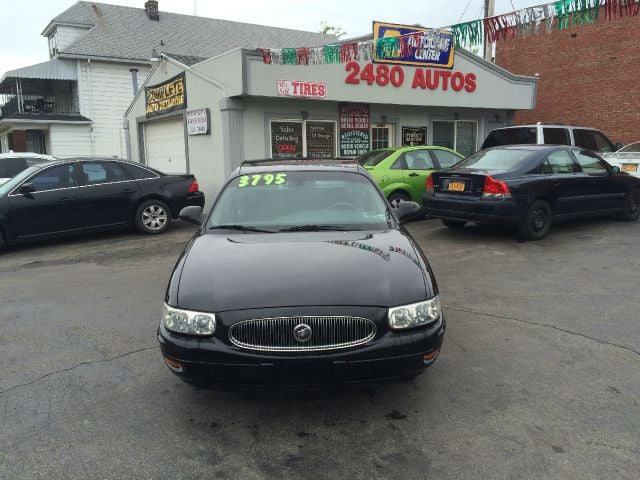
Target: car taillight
x=495, y=189
x=429, y=183
x=193, y=188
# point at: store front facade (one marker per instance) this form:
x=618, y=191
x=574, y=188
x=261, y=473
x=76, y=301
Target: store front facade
x=236, y=107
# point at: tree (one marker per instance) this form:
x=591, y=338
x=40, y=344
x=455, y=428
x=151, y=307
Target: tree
x=330, y=30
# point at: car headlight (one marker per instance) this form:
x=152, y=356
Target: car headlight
x=415, y=315
x=188, y=322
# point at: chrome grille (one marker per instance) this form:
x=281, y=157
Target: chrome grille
x=327, y=333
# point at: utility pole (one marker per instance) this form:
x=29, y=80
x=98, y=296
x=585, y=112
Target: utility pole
x=195, y=8
x=489, y=11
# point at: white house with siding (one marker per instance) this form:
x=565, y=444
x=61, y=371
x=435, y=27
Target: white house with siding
x=73, y=104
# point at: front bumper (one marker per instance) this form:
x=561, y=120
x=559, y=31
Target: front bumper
x=450, y=207
x=214, y=363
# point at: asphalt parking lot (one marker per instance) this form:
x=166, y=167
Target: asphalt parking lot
x=539, y=376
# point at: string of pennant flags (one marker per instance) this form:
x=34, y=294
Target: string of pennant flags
x=381, y=48
x=523, y=22
x=526, y=21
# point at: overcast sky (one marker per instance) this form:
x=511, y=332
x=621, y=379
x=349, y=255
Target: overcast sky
x=23, y=20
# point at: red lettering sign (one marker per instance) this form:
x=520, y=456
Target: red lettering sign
x=295, y=88
x=424, y=78
x=286, y=148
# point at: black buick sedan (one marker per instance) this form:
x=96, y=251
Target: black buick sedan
x=529, y=187
x=64, y=197
x=300, y=275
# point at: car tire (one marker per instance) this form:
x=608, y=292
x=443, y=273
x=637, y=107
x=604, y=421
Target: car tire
x=631, y=207
x=397, y=197
x=152, y=217
x=537, y=221
x=454, y=224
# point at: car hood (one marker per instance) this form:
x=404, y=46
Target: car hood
x=243, y=271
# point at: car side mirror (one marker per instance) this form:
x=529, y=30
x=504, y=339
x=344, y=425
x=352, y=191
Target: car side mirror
x=615, y=169
x=618, y=146
x=405, y=210
x=27, y=188
x=192, y=214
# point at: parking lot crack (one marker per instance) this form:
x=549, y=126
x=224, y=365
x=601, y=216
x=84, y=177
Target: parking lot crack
x=547, y=325
x=90, y=362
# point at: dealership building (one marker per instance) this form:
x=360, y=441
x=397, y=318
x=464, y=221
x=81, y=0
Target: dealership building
x=207, y=117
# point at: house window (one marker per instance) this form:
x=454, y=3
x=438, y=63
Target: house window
x=36, y=142
x=459, y=135
x=53, y=45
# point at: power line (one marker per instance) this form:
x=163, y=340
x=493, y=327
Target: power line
x=465, y=11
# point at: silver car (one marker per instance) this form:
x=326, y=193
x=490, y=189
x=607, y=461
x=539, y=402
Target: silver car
x=627, y=158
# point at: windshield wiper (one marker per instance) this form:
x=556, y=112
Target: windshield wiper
x=313, y=228
x=244, y=228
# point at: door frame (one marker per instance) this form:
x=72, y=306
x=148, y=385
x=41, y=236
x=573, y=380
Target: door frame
x=390, y=128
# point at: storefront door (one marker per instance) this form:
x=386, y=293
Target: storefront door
x=381, y=136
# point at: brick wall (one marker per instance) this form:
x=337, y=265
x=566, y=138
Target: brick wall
x=588, y=75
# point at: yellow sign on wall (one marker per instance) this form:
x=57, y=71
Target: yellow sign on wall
x=166, y=97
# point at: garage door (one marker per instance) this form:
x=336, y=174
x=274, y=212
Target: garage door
x=164, y=145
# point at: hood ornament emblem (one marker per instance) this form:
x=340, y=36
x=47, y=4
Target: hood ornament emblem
x=302, y=332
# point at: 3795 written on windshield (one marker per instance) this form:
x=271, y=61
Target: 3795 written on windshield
x=262, y=179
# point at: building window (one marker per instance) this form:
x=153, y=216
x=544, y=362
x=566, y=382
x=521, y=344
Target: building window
x=459, y=135
x=381, y=136
x=320, y=139
x=303, y=139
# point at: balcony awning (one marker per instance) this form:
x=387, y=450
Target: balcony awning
x=54, y=69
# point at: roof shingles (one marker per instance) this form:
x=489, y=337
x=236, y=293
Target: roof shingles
x=127, y=33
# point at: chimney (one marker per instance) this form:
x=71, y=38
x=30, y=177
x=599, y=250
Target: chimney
x=151, y=7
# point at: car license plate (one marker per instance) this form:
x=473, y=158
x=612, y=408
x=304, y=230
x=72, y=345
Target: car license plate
x=629, y=167
x=456, y=186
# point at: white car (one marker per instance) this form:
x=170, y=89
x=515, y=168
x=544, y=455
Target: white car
x=627, y=158
x=12, y=163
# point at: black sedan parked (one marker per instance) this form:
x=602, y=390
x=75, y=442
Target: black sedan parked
x=301, y=275
x=74, y=195
x=530, y=186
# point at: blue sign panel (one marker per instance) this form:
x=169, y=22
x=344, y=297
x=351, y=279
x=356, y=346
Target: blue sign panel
x=429, y=48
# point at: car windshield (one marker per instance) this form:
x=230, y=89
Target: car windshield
x=15, y=181
x=300, y=200
x=371, y=159
x=631, y=148
x=498, y=159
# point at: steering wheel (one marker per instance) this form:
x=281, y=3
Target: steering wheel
x=343, y=204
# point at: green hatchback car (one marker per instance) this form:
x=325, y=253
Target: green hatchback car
x=402, y=172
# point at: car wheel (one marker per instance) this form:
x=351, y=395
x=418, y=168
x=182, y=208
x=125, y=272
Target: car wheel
x=631, y=208
x=396, y=197
x=537, y=221
x=455, y=224
x=152, y=217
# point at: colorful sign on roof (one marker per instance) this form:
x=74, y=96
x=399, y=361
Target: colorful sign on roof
x=427, y=48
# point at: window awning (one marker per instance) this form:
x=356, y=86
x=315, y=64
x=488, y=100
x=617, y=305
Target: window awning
x=54, y=69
